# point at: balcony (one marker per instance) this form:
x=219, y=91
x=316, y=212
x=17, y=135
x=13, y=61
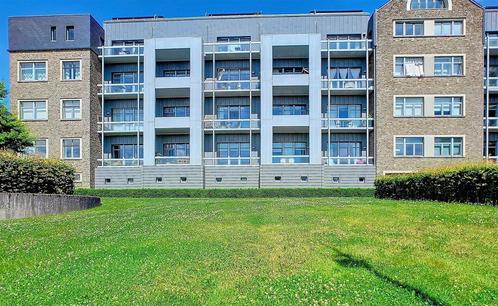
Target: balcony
x=493, y=84
x=121, y=54
x=347, y=86
x=346, y=48
x=172, y=160
x=493, y=45
x=232, y=50
x=493, y=122
x=231, y=161
x=125, y=127
x=348, y=161
x=347, y=123
x=291, y=159
x=110, y=162
x=228, y=88
x=121, y=91
x=231, y=124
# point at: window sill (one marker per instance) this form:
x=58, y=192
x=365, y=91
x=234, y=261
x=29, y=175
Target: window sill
x=75, y=80
x=429, y=36
x=428, y=117
x=71, y=119
x=64, y=158
x=35, y=120
x=35, y=81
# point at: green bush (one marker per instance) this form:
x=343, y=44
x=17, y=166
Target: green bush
x=34, y=175
x=468, y=183
x=227, y=193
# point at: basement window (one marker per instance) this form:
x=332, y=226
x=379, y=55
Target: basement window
x=219, y=179
x=278, y=178
x=304, y=178
x=159, y=179
x=107, y=181
x=362, y=179
x=243, y=179
x=336, y=180
x=130, y=180
x=183, y=179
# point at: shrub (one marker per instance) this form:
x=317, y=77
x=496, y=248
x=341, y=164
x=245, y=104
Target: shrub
x=467, y=183
x=34, y=175
x=227, y=193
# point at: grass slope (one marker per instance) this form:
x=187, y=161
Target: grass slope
x=253, y=251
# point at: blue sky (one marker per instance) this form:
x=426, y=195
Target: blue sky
x=106, y=9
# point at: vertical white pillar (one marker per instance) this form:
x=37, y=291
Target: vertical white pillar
x=315, y=99
x=266, y=99
x=196, y=101
x=149, y=136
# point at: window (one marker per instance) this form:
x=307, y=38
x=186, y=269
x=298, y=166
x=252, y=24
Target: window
x=71, y=148
x=233, y=112
x=233, y=153
x=345, y=149
x=409, y=28
x=70, y=33
x=427, y=4
x=290, y=148
x=33, y=110
x=71, y=109
x=233, y=74
x=448, y=28
x=409, y=66
x=278, y=178
x=290, y=109
x=71, y=70
x=448, y=146
x=304, y=178
x=345, y=73
x=233, y=38
x=126, y=77
x=39, y=148
x=53, y=33
x=176, y=111
x=107, y=181
x=219, y=179
x=126, y=151
x=409, y=146
x=159, y=179
x=178, y=73
x=448, y=106
x=345, y=111
x=362, y=179
x=130, y=180
x=448, y=65
x=176, y=149
x=126, y=114
x=128, y=43
x=409, y=107
x=78, y=178
x=33, y=71
x=243, y=179
x=183, y=179
x=336, y=180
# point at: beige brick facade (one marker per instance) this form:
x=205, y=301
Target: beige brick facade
x=54, y=90
x=387, y=86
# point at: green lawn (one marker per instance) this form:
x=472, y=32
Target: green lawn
x=253, y=251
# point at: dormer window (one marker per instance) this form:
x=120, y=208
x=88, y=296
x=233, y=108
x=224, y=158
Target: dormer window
x=427, y=4
x=70, y=33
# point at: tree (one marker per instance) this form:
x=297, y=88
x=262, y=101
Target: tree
x=14, y=136
x=3, y=90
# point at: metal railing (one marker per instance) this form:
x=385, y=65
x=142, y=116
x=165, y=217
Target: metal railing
x=290, y=159
x=232, y=47
x=493, y=82
x=122, y=88
x=353, y=160
x=493, y=42
x=347, y=84
x=231, y=85
x=122, y=50
x=346, y=123
x=493, y=122
x=120, y=162
x=346, y=45
x=231, y=161
x=231, y=123
x=172, y=160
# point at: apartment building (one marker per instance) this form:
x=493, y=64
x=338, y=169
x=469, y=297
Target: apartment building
x=54, y=73
x=324, y=99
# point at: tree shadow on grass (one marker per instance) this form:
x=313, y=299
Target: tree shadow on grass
x=349, y=261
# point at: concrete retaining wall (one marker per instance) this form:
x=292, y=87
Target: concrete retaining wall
x=22, y=205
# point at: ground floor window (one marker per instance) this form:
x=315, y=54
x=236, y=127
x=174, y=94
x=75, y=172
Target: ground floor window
x=448, y=146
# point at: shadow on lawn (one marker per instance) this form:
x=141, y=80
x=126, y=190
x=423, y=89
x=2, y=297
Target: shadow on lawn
x=349, y=261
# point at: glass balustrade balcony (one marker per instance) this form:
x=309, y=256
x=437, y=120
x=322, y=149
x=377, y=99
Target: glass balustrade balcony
x=238, y=85
x=132, y=88
x=232, y=47
x=346, y=45
x=222, y=124
x=493, y=122
x=231, y=161
x=352, y=160
x=347, y=84
x=122, y=51
x=346, y=123
x=172, y=160
x=291, y=159
x=493, y=83
x=119, y=162
x=127, y=126
x=493, y=42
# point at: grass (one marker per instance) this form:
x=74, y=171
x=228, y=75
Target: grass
x=253, y=251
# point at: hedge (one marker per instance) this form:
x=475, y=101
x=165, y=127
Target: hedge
x=34, y=175
x=467, y=183
x=228, y=193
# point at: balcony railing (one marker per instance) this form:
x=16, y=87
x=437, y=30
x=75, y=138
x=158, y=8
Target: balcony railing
x=172, y=160
x=358, y=161
x=347, y=84
x=127, y=126
x=231, y=85
x=493, y=42
x=346, y=45
x=291, y=70
x=231, y=124
x=122, y=50
x=122, y=88
x=493, y=82
x=232, y=47
x=291, y=159
x=119, y=162
x=493, y=122
x=346, y=123
x=231, y=161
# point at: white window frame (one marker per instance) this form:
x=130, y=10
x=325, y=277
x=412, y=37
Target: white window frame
x=46, y=147
x=451, y=148
x=408, y=56
x=66, y=33
x=403, y=115
x=20, y=80
x=62, y=109
x=452, y=102
x=62, y=69
x=19, y=109
x=452, y=56
x=395, y=137
x=62, y=148
x=448, y=3
x=452, y=25
x=80, y=180
x=405, y=22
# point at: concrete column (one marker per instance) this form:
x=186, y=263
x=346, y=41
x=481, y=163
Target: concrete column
x=428, y=146
x=429, y=65
x=266, y=63
x=196, y=101
x=428, y=105
x=149, y=136
x=429, y=27
x=315, y=99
